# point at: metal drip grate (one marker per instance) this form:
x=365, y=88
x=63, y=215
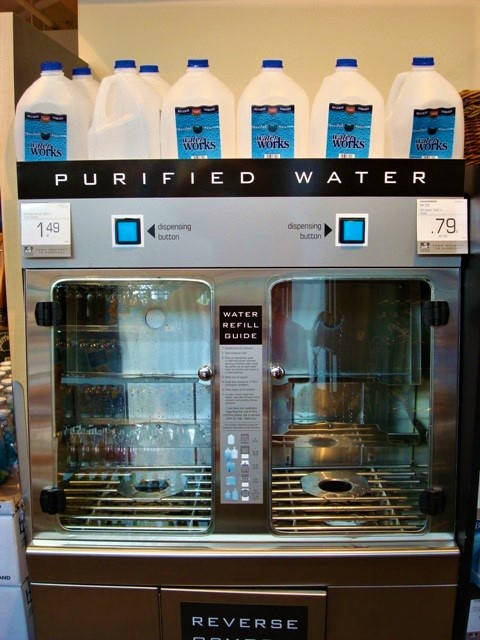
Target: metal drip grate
x=389, y=505
x=342, y=444
x=360, y=433
x=173, y=500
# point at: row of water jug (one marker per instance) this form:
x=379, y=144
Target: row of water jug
x=135, y=114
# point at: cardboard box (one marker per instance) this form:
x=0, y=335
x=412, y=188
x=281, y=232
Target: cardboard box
x=13, y=560
x=16, y=613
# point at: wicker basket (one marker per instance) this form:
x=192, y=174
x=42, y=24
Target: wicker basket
x=471, y=110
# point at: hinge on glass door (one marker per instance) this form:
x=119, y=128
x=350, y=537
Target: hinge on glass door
x=48, y=314
x=432, y=501
x=435, y=313
x=53, y=500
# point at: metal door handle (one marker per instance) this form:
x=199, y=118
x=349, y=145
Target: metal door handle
x=205, y=372
x=277, y=372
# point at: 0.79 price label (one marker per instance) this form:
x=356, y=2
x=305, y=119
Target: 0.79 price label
x=442, y=226
x=46, y=229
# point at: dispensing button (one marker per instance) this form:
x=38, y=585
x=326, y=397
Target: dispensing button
x=351, y=230
x=128, y=231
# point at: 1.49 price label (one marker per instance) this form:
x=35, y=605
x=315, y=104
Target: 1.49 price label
x=442, y=226
x=46, y=229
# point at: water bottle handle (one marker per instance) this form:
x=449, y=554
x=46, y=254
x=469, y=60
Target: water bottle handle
x=106, y=87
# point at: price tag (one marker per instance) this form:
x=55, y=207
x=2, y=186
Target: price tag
x=442, y=226
x=46, y=229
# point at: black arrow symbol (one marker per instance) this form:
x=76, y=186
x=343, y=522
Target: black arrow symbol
x=327, y=230
x=151, y=231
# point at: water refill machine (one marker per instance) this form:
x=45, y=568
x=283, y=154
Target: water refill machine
x=242, y=397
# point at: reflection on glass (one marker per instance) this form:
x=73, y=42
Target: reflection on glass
x=131, y=415
x=350, y=419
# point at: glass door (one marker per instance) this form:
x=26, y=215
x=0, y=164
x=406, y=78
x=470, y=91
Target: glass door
x=351, y=415
x=132, y=401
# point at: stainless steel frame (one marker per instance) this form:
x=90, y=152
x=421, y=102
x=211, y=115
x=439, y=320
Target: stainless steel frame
x=44, y=445
x=378, y=569
x=370, y=563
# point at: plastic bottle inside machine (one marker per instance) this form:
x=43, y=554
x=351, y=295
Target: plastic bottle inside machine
x=348, y=116
x=51, y=118
x=126, y=118
x=198, y=116
x=426, y=119
x=272, y=116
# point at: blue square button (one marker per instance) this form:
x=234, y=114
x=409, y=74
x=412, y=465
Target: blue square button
x=351, y=231
x=127, y=231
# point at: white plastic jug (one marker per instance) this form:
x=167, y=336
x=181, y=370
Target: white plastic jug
x=83, y=80
x=126, y=118
x=151, y=74
x=348, y=116
x=391, y=98
x=51, y=119
x=198, y=116
x=426, y=119
x=272, y=116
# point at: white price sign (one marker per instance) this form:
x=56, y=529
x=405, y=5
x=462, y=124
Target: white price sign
x=46, y=229
x=442, y=226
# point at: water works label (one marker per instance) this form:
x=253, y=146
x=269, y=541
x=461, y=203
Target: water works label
x=198, y=132
x=349, y=130
x=45, y=137
x=273, y=131
x=432, y=133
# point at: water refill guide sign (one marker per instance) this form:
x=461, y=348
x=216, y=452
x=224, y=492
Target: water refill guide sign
x=241, y=403
x=442, y=226
x=46, y=230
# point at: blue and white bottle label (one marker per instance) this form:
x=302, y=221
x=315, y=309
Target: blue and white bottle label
x=198, y=132
x=432, y=133
x=273, y=131
x=45, y=137
x=349, y=130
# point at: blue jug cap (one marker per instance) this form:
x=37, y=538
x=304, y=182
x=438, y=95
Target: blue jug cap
x=149, y=68
x=197, y=62
x=125, y=64
x=347, y=62
x=272, y=64
x=423, y=62
x=81, y=71
x=49, y=65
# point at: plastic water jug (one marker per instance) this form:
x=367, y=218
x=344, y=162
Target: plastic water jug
x=198, y=116
x=348, y=116
x=426, y=119
x=151, y=74
x=272, y=116
x=126, y=118
x=83, y=80
x=51, y=119
x=391, y=99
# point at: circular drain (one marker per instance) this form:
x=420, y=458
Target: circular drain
x=320, y=449
x=335, y=486
x=332, y=485
x=322, y=441
x=153, y=488
x=149, y=486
